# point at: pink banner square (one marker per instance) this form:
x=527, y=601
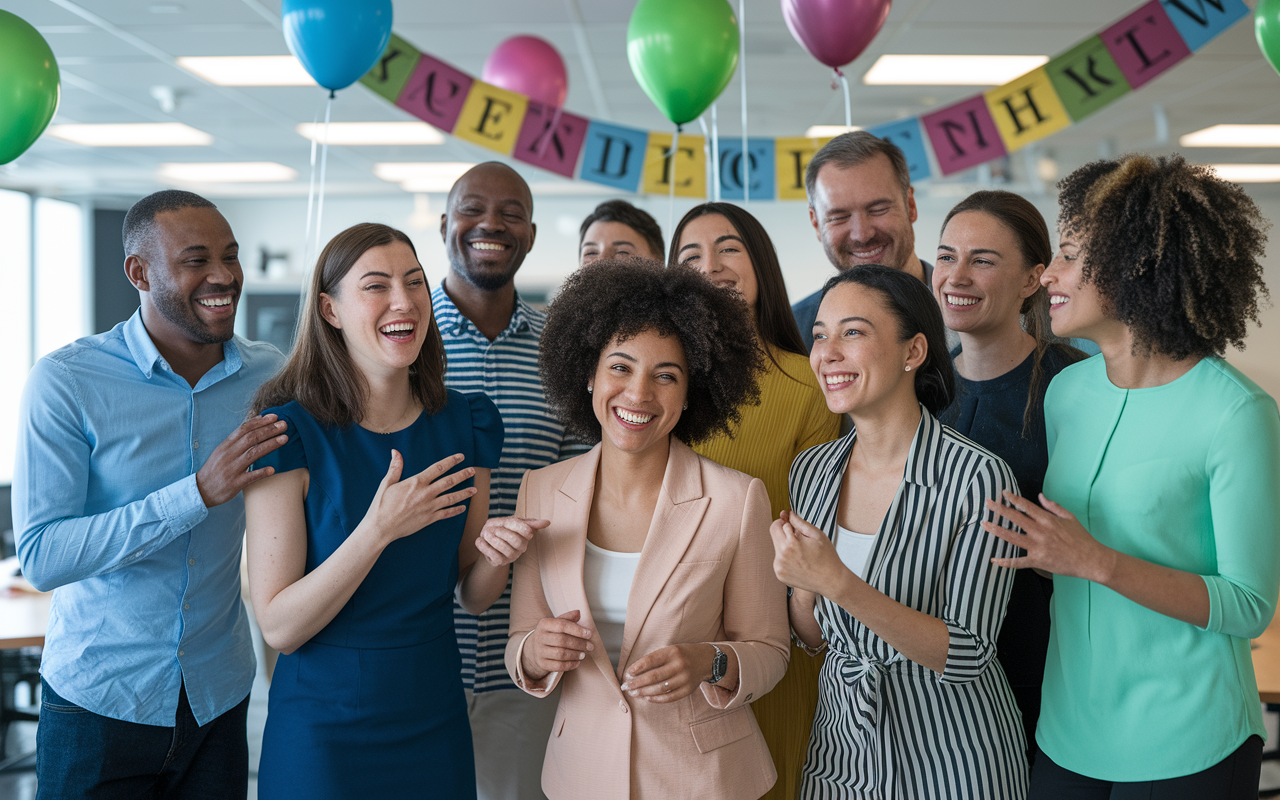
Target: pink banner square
x=551, y=138
x=1145, y=44
x=963, y=135
x=435, y=93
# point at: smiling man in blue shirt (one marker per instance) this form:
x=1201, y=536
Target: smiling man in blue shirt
x=132, y=453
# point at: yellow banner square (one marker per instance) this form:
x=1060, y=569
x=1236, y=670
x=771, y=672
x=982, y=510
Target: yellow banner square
x=689, y=166
x=491, y=116
x=1027, y=109
x=791, y=159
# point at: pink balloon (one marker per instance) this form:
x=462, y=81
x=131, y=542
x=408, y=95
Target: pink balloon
x=835, y=31
x=531, y=66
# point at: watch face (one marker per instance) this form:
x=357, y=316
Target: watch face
x=718, y=665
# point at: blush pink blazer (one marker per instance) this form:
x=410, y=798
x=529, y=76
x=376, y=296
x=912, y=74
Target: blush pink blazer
x=705, y=575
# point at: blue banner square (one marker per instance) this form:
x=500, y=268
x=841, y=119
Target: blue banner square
x=614, y=155
x=1198, y=21
x=908, y=135
x=760, y=167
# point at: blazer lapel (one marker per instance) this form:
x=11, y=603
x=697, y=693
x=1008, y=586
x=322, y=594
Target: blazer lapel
x=676, y=517
x=571, y=516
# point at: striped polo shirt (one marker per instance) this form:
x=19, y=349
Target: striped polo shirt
x=506, y=370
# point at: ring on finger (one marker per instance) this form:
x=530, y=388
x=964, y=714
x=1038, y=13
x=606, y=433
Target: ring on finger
x=666, y=685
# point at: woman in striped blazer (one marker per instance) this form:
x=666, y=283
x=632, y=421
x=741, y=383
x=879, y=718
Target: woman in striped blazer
x=891, y=568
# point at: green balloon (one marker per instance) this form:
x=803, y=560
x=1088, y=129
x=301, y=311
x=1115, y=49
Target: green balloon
x=1266, y=27
x=29, y=86
x=683, y=53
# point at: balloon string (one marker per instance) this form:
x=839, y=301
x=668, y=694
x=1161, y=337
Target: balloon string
x=742, y=75
x=324, y=163
x=715, y=155
x=311, y=195
x=848, y=110
x=706, y=152
x=671, y=176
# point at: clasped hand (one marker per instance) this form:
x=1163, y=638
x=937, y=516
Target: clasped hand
x=1054, y=539
x=504, y=539
x=803, y=557
x=403, y=507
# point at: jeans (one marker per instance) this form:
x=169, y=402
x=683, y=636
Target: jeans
x=80, y=754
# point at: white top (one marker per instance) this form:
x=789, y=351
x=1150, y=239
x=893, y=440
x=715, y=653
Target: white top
x=607, y=577
x=854, y=549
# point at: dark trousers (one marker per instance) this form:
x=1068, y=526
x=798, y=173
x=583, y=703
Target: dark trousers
x=1233, y=778
x=80, y=754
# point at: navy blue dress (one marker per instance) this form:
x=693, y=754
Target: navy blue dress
x=372, y=705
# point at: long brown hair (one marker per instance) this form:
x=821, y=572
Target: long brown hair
x=775, y=324
x=1027, y=225
x=319, y=373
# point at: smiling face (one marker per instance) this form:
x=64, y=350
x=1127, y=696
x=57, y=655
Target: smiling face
x=1076, y=308
x=639, y=391
x=711, y=245
x=383, y=309
x=191, y=275
x=608, y=239
x=489, y=228
x=861, y=215
x=980, y=278
x=857, y=355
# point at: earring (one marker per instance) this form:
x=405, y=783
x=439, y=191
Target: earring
x=590, y=388
x=908, y=368
x=686, y=407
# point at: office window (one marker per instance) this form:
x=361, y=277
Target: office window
x=61, y=284
x=15, y=320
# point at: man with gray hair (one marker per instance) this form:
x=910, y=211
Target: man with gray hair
x=862, y=207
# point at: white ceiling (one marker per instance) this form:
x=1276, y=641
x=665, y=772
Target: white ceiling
x=111, y=52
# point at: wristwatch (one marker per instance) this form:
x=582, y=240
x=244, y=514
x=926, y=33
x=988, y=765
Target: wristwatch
x=719, y=665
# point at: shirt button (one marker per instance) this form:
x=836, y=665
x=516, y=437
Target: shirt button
x=187, y=607
x=622, y=704
x=182, y=652
x=196, y=444
x=191, y=561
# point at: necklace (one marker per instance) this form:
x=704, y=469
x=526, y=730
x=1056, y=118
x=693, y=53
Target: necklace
x=413, y=409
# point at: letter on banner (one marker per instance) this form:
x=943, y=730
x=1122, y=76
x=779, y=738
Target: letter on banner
x=963, y=135
x=491, y=117
x=760, y=154
x=389, y=76
x=550, y=141
x=1026, y=109
x=614, y=155
x=1200, y=20
x=792, y=158
x=435, y=93
x=1086, y=78
x=1145, y=44
x=909, y=137
x=689, y=165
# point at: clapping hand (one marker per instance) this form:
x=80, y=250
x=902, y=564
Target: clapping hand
x=558, y=644
x=669, y=673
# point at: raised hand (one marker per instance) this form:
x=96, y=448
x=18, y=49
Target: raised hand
x=1054, y=539
x=504, y=539
x=803, y=556
x=669, y=673
x=558, y=644
x=226, y=473
x=403, y=507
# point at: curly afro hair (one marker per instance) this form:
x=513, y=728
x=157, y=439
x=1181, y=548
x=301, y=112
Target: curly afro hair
x=1173, y=250
x=617, y=299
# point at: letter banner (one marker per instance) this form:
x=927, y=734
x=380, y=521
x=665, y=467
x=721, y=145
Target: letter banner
x=1075, y=84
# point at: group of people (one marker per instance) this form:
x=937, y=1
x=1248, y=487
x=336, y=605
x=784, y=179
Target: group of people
x=673, y=537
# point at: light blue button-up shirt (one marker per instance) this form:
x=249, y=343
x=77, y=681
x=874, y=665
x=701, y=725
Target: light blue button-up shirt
x=146, y=580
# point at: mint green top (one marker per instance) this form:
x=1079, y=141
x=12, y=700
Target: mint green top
x=1186, y=475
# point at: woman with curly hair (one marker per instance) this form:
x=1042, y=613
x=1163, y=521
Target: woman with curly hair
x=891, y=572
x=730, y=246
x=1161, y=500
x=650, y=598
x=992, y=250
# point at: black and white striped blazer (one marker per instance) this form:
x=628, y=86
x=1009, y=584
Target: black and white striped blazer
x=887, y=727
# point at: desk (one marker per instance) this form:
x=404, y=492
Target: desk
x=1266, y=662
x=23, y=618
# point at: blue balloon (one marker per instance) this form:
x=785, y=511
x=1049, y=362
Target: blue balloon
x=337, y=41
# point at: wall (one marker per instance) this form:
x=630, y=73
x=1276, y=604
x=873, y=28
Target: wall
x=279, y=226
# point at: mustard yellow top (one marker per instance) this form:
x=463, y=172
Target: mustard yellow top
x=792, y=417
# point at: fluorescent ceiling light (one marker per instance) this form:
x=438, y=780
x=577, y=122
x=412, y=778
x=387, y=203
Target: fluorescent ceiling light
x=1234, y=136
x=1248, y=173
x=372, y=133
x=145, y=134
x=422, y=176
x=248, y=70
x=923, y=70
x=828, y=131
x=228, y=172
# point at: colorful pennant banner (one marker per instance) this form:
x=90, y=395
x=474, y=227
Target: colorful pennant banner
x=1070, y=87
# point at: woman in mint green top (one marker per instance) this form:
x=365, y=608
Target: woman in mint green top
x=1160, y=516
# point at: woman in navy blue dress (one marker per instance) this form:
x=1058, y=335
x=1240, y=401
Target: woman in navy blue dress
x=374, y=516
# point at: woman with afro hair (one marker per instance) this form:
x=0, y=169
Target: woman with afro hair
x=1161, y=502
x=650, y=598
